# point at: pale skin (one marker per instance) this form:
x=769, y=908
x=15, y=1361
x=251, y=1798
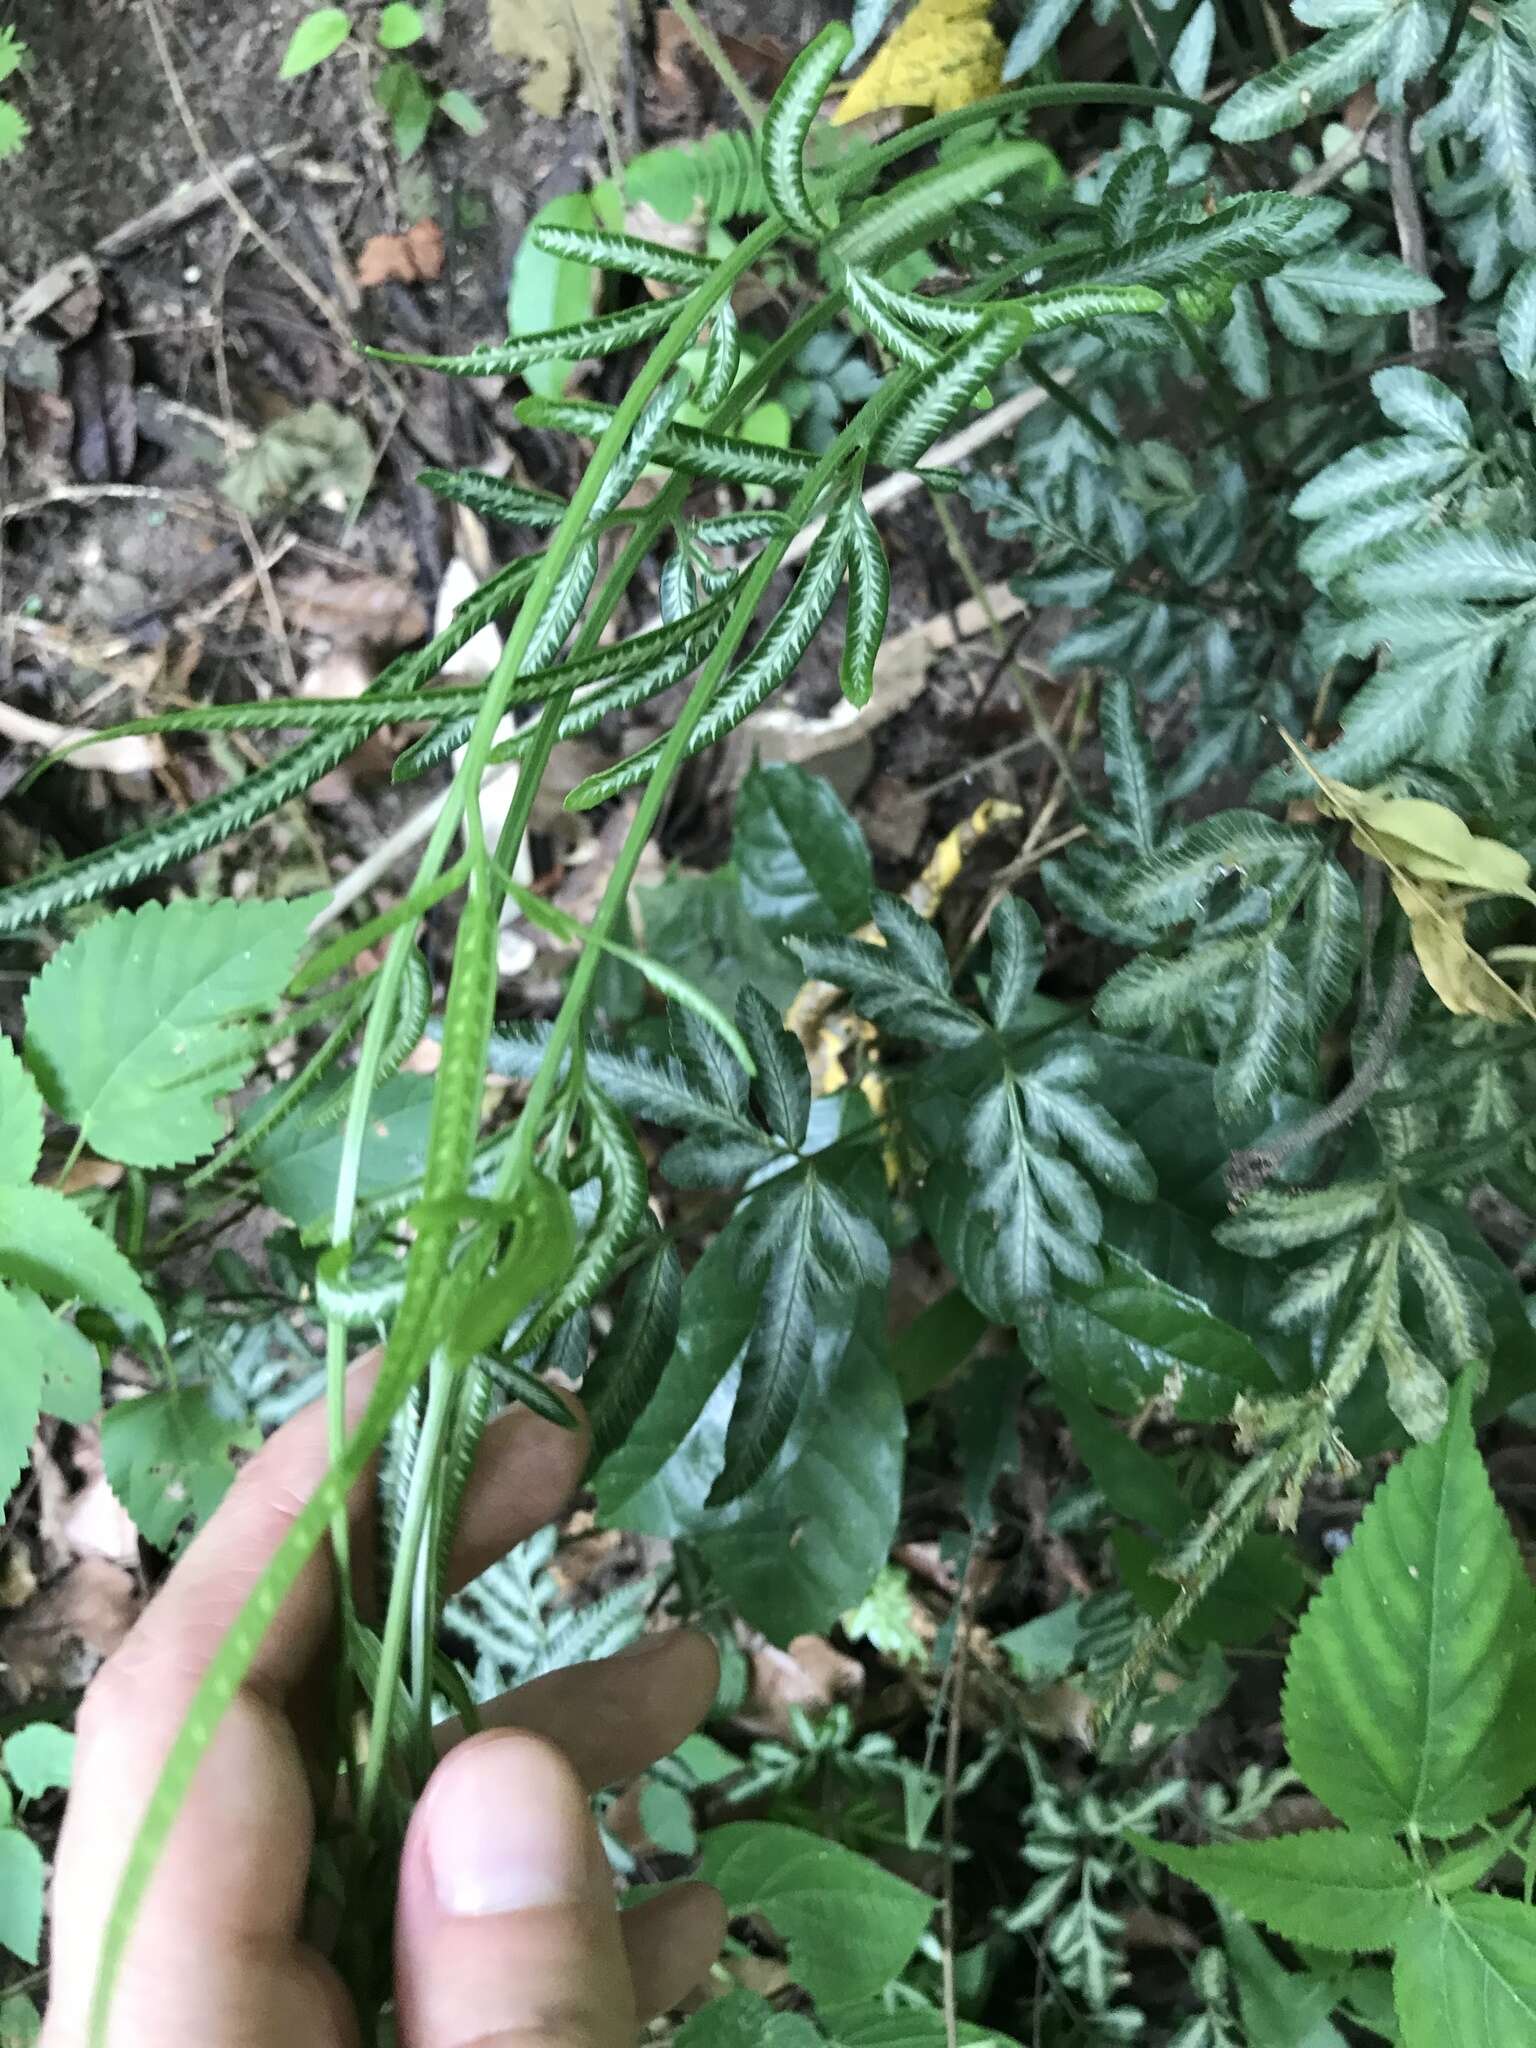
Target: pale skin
x=506, y=1930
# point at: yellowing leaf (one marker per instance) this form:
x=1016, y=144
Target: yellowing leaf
x=1460, y=977
x=563, y=41
x=944, y=55
x=1429, y=841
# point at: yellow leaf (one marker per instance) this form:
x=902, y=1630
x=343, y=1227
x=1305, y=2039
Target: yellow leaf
x=944, y=55
x=1420, y=838
x=563, y=41
x=1461, y=978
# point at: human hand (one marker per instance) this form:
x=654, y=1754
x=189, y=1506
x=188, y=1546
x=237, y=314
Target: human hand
x=506, y=1928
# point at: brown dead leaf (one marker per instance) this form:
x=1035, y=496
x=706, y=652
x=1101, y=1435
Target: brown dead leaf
x=562, y=40
x=56, y=1642
x=810, y=1675
x=365, y=610
x=416, y=257
x=683, y=77
x=87, y=1175
x=98, y=382
x=47, y=432
x=895, y=817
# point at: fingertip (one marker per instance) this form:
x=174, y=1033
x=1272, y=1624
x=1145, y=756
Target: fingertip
x=670, y=1942
x=525, y=1473
x=505, y=1826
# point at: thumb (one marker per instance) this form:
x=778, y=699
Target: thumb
x=506, y=1930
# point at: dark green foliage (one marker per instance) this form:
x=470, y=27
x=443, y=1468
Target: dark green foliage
x=1208, y=1133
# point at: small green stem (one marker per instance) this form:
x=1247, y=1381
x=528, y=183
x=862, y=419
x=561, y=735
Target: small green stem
x=568, y=1020
x=713, y=51
x=1070, y=403
x=414, y=1522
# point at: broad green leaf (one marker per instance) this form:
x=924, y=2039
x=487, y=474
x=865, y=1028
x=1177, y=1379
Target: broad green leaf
x=837, y=1481
x=128, y=1025
x=298, y=1164
x=787, y=126
x=48, y=1244
x=1328, y=1888
x=1468, y=1976
x=1280, y=2008
x=716, y=1318
x=20, y=1388
x=1365, y=475
x=802, y=861
x=21, y=1117
x=1410, y=1697
x=1261, y=1585
x=169, y=1456
x=400, y=25
x=1136, y=1339
x=935, y=1344
x=743, y=2020
x=68, y=1362
x=1022, y=1146
x=1134, y=1482
x=1266, y=1033
x=850, y=1926
x=39, y=1758
x=1480, y=565
x=22, y=1876
x=50, y=1368
x=1128, y=765
x=1018, y=957
x=21, y=2024
x=318, y=36
x=549, y=290
x=1046, y=1648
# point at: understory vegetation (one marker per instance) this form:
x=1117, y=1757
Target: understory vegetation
x=1085, y=1277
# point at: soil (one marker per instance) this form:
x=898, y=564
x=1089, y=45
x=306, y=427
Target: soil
x=126, y=576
